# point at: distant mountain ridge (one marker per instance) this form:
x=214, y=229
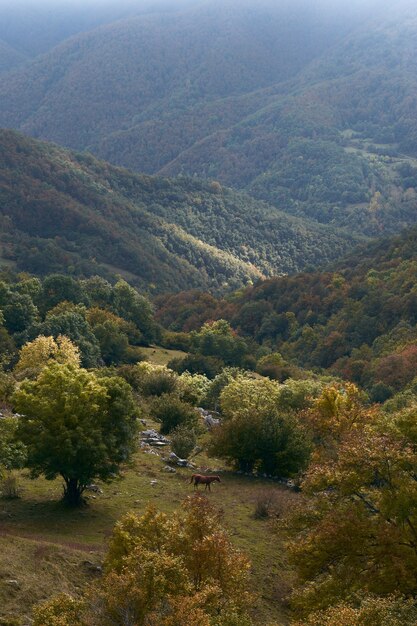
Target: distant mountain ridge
x=310, y=107
x=62, y=211
x=10, y=57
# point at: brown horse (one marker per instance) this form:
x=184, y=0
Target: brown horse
x=204, y=480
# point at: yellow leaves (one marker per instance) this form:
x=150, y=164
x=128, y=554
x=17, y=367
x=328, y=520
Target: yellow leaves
x=335, y=414
x=149, y=530
x=43, y=351
x=243, y=396
x=371, y=611
x=63, y=610
x=167, y=571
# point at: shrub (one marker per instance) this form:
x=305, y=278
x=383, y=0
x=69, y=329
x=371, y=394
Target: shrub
x=193, y=388
x=210, y=366
x=264, y=503
x=9, y=486
x=159, y=382
x=176, y=341
x=183, y=441
x=267, y=442
x=7, y=386
x=173, y=412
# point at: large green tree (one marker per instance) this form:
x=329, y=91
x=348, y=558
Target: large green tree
x=75, y=425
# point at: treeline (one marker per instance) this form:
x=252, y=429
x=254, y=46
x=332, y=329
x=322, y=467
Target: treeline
x=105, y=322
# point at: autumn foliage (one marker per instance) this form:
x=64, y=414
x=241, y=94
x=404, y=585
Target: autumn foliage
x=163, y=570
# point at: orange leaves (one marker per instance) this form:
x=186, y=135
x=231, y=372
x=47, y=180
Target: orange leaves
x=164, y=570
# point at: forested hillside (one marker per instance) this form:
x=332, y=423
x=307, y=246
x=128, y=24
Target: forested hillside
x=36, y=27
x=310, y=108
x=62, y=210
x=358, y=320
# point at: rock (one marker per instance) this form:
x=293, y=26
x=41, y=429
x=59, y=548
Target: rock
x=94, y=488
x=13, y=583
x=143, y=422
x=91, y=567
x=154, y=482
x=153, y=438
x=173, y=458
x=211, y=422
x=168, y=469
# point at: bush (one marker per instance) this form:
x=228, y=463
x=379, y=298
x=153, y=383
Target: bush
x=380, y=392
x=264, y=503
x=9, y=487
x=183, y=441
x=159, y=382
x=176, y=341
x=267, y=442
x=193, y=388
x=197, y=364
x=173, y=412
x=7, y=386
x=275, y=502
x=226, y=376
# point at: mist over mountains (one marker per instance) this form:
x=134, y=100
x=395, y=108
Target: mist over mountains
x=310, y=108
x=242, y=93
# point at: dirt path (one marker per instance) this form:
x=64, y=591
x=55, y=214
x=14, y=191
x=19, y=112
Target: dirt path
x=72, y=545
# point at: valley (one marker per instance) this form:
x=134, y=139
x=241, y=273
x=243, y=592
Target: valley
x=208, y=276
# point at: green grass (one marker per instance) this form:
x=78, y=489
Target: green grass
x=38, y=523
x=39, y=568
x=161, y=356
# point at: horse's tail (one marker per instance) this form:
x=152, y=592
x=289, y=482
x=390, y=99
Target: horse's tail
x=192, y=478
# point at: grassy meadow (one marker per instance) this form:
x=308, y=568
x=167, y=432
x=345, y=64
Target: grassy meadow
x=47, y=548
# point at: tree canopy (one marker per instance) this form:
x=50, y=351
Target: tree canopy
x=75, y=425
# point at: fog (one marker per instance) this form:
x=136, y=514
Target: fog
x=35, y=26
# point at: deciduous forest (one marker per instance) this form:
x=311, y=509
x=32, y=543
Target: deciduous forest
x=208, y=313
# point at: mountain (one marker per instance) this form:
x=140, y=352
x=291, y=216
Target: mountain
x=133, y=68
x=307, y=106
x=35, y=27
x=9, y=57
x=62, y=210
x=337, y=143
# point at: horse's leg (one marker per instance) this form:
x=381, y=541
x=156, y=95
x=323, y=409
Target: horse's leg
x=208, y=485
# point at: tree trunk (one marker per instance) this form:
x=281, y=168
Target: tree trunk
x=72, y=492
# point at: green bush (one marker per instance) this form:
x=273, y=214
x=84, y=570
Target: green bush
x=270, y=443
x=172, y=412
x=183, y=440
x=210, y=366
x=159, y=382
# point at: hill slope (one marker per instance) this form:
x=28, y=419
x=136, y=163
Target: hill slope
x=63, y=209
x=126, y=70
x=290, y=102
x=358, y=318
x=9, y=57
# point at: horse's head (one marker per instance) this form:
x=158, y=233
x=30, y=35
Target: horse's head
x=217, y=478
